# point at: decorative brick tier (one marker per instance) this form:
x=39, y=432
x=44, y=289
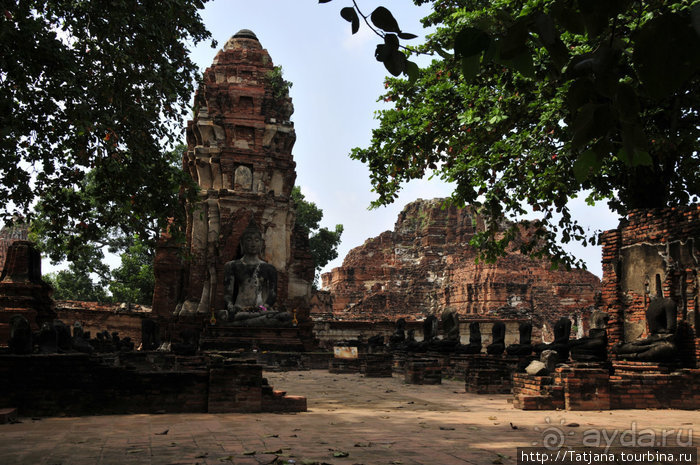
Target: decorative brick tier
x=491, y=374
x=423, y=371
x=146, y=382
x=653, y=385
x=629, y=385
x=377, y=365
x=536, y=392
x=344, y=365
x=249, y=337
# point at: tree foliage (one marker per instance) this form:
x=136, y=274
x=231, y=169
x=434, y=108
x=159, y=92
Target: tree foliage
x=92, y=92
x=133, y=281
x=76, y=284
x=322, y=241
x=534, y=102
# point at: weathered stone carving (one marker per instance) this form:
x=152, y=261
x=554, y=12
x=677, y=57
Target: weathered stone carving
x=242, y=176
x=20, y=335
x=430, y=328
x=524, y=346
x=660, y=345
x=399, y=336
x=498, y=338
x=251, y=286
x=450, y=331
x=594, y=347
x=474, y=346
x=562, y=331
x=425, y=264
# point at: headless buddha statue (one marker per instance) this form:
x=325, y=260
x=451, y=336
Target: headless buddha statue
x=524, y=347
x=660, y=345
x=594, y=347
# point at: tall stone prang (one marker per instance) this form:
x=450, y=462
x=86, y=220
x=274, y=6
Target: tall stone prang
x=239, y=151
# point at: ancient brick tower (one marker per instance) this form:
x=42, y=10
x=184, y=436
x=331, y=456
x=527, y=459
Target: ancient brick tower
x=239, y=151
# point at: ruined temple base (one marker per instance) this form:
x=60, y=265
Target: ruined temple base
x=601, y=386
x=228, y=338
x=378, y=365
x=423, y=371
x=491, y=374
x=344, y=365
x=144, y=382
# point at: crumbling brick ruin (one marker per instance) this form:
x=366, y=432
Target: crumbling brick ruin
x=239, y=151
x=426, y=265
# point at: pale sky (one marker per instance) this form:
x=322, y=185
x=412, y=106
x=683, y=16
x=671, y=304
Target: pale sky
x=336, y=82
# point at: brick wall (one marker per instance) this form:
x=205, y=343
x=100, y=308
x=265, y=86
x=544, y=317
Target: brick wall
x=662, y=242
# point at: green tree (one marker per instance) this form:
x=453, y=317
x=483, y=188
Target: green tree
x=322, y=241
x=76, y=284
x=133, y=281
x=92, y=91
x=534, y=102
x=84, y=243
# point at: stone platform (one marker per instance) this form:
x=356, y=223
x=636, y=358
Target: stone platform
x=605, y=386
x=227, y=338
x=491, y=374
x=145, y=382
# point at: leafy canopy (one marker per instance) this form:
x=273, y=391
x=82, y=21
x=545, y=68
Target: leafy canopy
x=322, y=241
x=534, y=102
x=92, y=92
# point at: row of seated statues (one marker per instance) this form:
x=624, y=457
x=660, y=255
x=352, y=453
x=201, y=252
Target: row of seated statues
x=57, y=337
x=661, y=344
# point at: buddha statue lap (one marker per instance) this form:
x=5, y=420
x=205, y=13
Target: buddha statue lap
x=661, y=344
x=524, y=347
x=594, y=347
x=251, y=287
x=562, y=331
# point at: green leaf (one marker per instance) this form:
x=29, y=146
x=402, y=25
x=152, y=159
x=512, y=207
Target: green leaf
x=412, y=71
x=470, y=67
x=396, y=63
x=350, y=15
x=587, y=164
x=665, y=53
x=523, y=64
x=471, y=41
x=514, y=42
x=383, y=19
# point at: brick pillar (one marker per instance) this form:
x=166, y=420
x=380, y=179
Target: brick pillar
x=611, y=241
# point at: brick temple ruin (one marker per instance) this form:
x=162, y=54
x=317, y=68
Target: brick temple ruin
x=411, y=301
x=426, y=265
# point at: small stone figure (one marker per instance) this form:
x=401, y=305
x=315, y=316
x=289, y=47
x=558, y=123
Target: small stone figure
x=63, y=337
x=80, y=339
x=149, y=334
x=399, y=336
x=47, y=339
x=660, y=345
x=411, y=345
x=562, y=331
x=474, y=346
x=430, y=325
x=251, y=287
x=450, y=330
x=594, y=347
x=498, y=337
x=524, y=347
x=376, y=341
x=126, y=345
x=20, y=336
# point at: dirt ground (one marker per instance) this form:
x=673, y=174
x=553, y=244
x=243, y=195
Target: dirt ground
x=350, y=420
